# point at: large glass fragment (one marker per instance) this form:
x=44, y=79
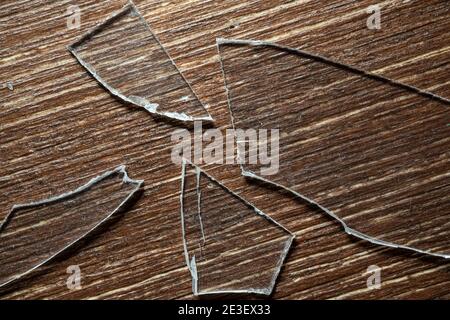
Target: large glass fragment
x=371, y=152
x=124, y=55
x=34, y=233
x=230, y=246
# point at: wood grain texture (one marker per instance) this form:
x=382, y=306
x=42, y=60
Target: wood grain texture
x=372, y=153
x=35, y=233
x=235, y=249
x=59, y=128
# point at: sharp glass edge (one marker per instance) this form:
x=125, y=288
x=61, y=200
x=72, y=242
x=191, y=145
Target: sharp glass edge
x=253, y=175
x=93, y=181
x=259, y=43
x=191, y=263
x=134, y=100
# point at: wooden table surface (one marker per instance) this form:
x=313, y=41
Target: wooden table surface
x=59, y=128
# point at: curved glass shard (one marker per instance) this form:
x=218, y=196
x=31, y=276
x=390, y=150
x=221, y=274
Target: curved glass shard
x=124, y=55
x=34, y=233
x=371, y=152
x=230, y=246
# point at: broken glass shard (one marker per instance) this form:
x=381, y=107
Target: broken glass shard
x=373, y=153
x=34, y=233
x=10, y=85
x=124, y=55
x=230, y=246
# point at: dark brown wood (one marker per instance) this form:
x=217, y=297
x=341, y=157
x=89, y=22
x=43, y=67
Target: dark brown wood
x=59, y=128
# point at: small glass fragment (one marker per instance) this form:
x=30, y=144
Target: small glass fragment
x=230, y=246
x=372, y=152
x=125, y=56
x=34, y=233
x=10, y=85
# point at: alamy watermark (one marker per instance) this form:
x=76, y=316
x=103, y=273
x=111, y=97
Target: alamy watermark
x=212, y=147
x=73, y=20
x=374, y=20
x=74, y=280
x=374, y=279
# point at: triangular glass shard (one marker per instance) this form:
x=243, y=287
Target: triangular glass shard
x=34, y=233
x=125, y=56
x=371, y=152
x=230, y=246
